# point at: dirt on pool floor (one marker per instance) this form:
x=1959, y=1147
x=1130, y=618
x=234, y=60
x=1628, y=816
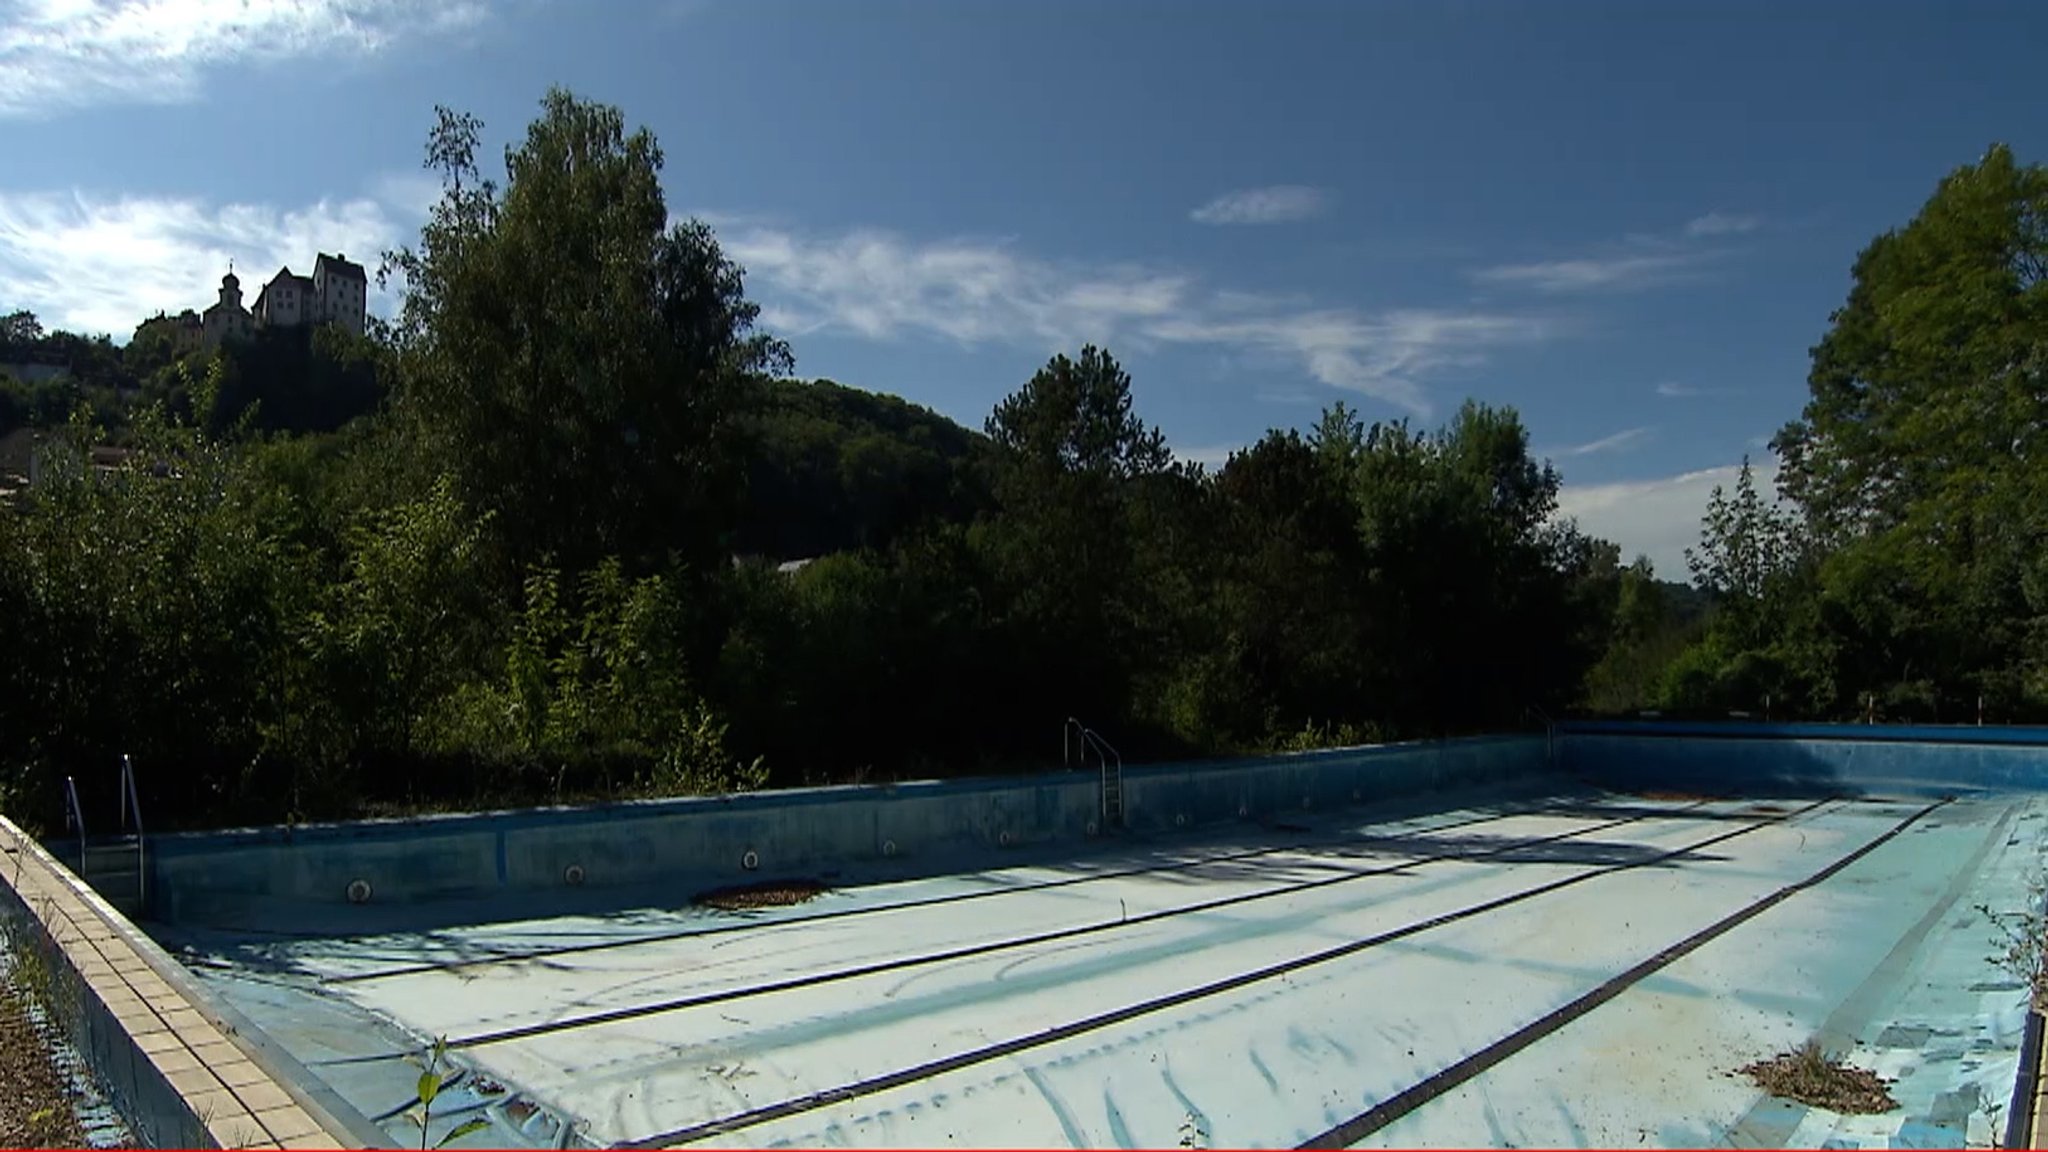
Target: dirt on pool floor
x=1809, y=1077
x=37, y=1102
x=767, y=894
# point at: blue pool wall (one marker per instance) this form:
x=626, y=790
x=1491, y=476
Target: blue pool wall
x=1814, y=759
x=234, y=875
x=703, y=841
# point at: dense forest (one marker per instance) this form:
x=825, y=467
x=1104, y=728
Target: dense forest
x=530, y=539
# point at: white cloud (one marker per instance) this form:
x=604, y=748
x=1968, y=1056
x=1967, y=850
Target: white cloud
x=1278, y=204
x=1613, y=443
x=880, y=286
x=60, y=54
x=1596, y=273
x=1658, y=518
x=103, y=264
x=1720, y=224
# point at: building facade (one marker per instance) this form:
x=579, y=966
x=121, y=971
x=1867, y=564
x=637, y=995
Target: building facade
x=338, y=292
x=226, y=318
x=185, y=331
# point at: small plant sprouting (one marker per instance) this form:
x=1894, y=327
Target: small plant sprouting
x=2022, y=951
x=1191, y=1134
x=432, y=1078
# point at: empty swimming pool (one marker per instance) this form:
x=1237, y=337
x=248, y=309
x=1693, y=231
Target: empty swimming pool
x=1575, y=967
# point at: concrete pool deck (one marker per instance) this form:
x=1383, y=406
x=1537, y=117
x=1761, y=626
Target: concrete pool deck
x=1580, y=968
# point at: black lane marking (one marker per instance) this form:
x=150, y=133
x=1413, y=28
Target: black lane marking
x=969, y=951
x=1534, y=809
x=954, y=1063
x=1416, y=1095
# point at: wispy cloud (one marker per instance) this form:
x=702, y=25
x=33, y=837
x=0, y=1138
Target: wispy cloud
x=1277, y=204
x=103, y=264
x=1659, y=518
x=1386, y=356
x=64, y=54
x=1595, y=273
x=1637, y=260
x=1720, y=224
x=1615, y=443
x=881, y=286
x=1675, y=390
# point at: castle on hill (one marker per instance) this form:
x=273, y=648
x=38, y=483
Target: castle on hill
x=336, y=293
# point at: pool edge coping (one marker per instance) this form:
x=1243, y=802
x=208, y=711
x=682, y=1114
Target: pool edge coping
x=181, y=1064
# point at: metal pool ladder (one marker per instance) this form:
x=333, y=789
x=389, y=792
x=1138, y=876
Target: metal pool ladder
x=1076, y=739
x=114, y=867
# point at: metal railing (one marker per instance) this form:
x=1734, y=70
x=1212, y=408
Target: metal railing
x=74, y=817
x=1549, y=734
x=1076, y=739
x=1071, y=733
x=131, y=808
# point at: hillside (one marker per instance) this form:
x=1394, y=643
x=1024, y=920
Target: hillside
x=831, y=468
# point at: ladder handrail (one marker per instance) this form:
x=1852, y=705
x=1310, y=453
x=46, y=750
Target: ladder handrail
x=1549, y=734
x=1088, y=736
x=1073, y=735
x=1103, y=753
x=131, y=805
x=1092, y=737
x=76, y=818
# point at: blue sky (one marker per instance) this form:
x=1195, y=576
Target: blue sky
x=1628, y=220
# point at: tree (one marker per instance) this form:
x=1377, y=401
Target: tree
x=1744, y=542
x=578, y=355
x=1075, y=417
x=1071, y=453
x=1931, y=384
x=1475, y=614
x=1291, y=593
x=20, y=332
x=1920, y=462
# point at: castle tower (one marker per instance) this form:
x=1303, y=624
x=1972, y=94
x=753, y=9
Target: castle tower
x=227, y=318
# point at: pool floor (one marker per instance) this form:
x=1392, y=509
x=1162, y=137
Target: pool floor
x=1584, y=970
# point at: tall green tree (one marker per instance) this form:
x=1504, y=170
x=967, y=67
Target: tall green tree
x=1071, y=453
x=1921, y=460
x=570, y=353
x=1291, y=592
